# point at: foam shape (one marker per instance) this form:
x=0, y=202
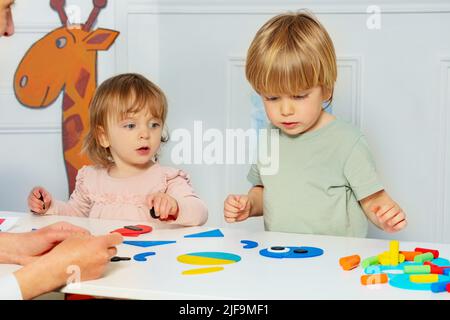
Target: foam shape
x=207, y=234
x=425, y=250
x=440, y=286
x=310, y=252
x=202, y=270
x=428, y=256
x=8, y=223
x=369, y=279
x=133, y=233
x=379, y=268
x=424, y=278
x=441, y=262
x=370, y=261
x=409, y=255
x=209, y=258
x=394, y=246
x=417, y=269
x=248, y=244
x=402, y=281
x=146, y=244
x=349, y=262
x=1, y=221
x=143, y=256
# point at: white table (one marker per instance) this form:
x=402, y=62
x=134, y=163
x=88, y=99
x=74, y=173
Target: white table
x=254, y=277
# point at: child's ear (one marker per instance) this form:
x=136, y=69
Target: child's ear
x=102, y=137
x=327, y=94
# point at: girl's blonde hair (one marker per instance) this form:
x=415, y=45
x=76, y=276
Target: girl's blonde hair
x=290, y=53
x=113, y=101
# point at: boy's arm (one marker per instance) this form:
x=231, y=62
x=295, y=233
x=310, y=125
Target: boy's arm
x=384, y=212
x=255, y=196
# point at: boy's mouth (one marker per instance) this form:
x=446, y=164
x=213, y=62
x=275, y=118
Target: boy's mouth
x=290, y=125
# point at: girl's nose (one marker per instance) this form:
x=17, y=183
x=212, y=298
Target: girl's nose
x=144, y=134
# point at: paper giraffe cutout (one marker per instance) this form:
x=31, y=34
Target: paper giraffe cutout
x=65, y=60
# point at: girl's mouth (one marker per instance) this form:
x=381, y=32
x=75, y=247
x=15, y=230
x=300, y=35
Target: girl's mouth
x=143, y=151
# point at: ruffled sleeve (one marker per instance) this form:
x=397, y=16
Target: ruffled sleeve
x=192, y=211
x=79, y=204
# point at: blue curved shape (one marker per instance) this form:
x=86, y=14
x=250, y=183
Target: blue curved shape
x=402, y=281
x=311, y=252
x=248, y=244
x=143, y=256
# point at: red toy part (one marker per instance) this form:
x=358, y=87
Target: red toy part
x=448, y=287
x=424, y=250
x=2, y=220
x=132, y=233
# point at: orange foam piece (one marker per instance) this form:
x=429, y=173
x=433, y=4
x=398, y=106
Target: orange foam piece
x=350, y=262
x=369, y=279
x=409, y=255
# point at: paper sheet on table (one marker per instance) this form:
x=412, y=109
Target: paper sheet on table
x=6, y=223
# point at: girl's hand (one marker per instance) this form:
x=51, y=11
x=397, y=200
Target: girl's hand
x=164, y=205
x=391, y=217
x=237, y=208
x=39, y=200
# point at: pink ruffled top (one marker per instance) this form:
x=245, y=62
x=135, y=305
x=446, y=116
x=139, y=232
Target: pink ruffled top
x=98, y=195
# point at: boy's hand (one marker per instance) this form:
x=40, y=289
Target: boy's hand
x=391, y=217
x=164, y=205
x=237, y=208
x=39, y=200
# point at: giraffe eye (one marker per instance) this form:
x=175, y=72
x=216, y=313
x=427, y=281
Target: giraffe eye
x=61, y=42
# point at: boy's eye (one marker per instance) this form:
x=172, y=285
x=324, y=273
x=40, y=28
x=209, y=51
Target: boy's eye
x=300, y=97
x=270, y=98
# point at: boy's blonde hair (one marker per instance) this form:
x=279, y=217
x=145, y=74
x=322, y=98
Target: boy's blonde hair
x=114, y=100
x=291, y=52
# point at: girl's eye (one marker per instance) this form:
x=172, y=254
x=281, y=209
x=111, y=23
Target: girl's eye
x=130, y=126
x=154, y=125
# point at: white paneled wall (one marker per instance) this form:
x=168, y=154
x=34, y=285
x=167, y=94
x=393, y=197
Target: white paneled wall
x=393, y=83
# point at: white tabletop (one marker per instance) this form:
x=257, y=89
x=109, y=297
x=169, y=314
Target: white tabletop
x=254, y=277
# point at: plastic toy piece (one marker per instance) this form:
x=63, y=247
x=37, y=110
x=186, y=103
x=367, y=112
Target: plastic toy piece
x=208, y=234
x=146, y=244
x=350, y=262
x=448, y=288
x=2, y=220
x=385, y=258
x=394, y=246
x=248, y=244
x=440, y=286
x=143, y=256
x=370, y=261
x=374, y=279
x=436, y=269
x=402, y=281
x=424, y=278
x=209, y=258
x=447, y=272
x=202, y=271
x=310, y=252
x=409, y=255
x=424, y=250
x=133, y=231
x=424, y=257
x=417, y=269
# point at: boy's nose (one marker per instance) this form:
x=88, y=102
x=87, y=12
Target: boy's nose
x=286, y=109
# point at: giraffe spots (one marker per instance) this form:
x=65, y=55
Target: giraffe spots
x=67, y=102
x=98, y=39
x=82, y=82
x=73, y=128
x=71, y=174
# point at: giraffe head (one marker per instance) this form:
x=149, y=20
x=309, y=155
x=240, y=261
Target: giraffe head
x=56, y=59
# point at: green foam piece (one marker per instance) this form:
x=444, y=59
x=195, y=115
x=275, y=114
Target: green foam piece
x=369, y=261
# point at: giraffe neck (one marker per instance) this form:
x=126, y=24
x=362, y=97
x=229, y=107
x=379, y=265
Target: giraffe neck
x=77, y=97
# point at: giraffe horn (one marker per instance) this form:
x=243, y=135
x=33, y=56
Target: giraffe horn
x=98, y=6
x=58, y=6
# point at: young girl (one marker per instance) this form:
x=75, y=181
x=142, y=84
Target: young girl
x=327, y=181
x=127, y=115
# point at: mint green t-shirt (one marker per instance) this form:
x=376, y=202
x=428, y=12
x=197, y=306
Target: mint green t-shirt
x=322, y=175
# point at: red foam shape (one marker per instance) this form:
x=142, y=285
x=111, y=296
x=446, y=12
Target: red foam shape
x=131, y=233
x=424, y=250
x=2, y=220
x=448, y=287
